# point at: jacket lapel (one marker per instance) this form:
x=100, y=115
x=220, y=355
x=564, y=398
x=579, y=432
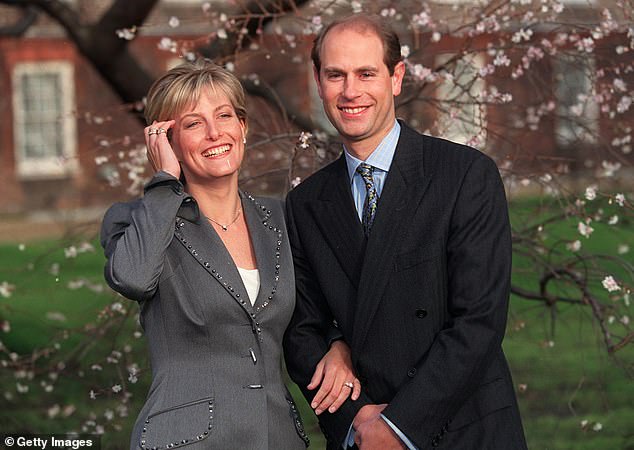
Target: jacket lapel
x=206, y=247
x=404, y=188
x=267, y=239
x=336, y=217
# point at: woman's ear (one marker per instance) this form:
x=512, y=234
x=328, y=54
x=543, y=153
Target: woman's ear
x=245, y=129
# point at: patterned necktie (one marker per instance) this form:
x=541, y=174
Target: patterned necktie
x=371, y=198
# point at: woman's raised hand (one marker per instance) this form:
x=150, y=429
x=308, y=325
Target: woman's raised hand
x=159, y=150
x=336, y=379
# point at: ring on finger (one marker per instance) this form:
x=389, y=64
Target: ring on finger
x=152, y=131
x=349, y=384
x=160, y=130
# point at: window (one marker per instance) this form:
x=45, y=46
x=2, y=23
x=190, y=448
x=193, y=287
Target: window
x=462, y=116
x=577, y=112
x=44, y=125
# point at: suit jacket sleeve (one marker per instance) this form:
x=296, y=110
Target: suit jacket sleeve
x=309, y=336
x=478, y=276
x=135, y=236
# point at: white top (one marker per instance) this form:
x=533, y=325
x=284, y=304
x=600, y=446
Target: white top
x=251, y=281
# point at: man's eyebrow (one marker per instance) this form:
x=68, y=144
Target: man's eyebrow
x=357, y=70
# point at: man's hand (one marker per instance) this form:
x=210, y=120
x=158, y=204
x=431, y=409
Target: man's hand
x=338, y=381
x=372, y=432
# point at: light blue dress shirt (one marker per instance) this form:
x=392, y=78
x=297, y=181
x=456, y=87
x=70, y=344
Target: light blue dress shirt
x=381, y=159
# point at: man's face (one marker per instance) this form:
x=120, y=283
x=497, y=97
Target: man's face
x=356, y=88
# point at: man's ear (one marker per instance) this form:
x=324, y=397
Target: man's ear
x=397, y=78
x=316, y=76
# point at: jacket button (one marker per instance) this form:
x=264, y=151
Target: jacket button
x=411, y=372
x=421, y=313
x=177, y=188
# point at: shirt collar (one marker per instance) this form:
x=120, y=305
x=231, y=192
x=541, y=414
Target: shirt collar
x=381, y=157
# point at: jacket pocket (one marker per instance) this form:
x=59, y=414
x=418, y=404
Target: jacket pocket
x=489, y=397
x=415, y=257
x=178, y=425
x=297, y=420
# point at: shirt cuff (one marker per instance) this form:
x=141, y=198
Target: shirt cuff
x=399, y=433
x=349, y=440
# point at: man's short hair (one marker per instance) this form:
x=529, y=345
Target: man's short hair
x=363, y=23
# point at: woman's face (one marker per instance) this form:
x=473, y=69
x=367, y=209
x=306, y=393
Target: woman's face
x=208, y=138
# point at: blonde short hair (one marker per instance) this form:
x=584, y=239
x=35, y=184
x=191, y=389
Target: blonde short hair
x=181, y=87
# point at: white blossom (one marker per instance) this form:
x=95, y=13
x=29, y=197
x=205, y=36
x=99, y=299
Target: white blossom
x=501, y=60
x=620, y=199
x=625, y=320
x=609, y=168
x=585, y=44
x=6, y=289
x=585, y=229
x=174, y=22
x=304, y=137
x=405, y=51
x=574, y=246
x=622, y=249
x=624, y=104
x=610, y=284
x=53, y=411
x=619, y=85
x=613, y=220
x=522, y=35
x=167, y=44
x=357, y=7
x=116, y=388
x=591, y=192
x=221, y=33
x=126, y=33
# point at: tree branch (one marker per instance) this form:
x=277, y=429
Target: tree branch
x=17, y=29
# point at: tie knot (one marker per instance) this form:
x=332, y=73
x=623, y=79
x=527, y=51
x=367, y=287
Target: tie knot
x=365, y=170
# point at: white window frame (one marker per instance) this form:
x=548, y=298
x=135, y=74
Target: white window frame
x=570, y=131
x=61, y=166
x=453, y=128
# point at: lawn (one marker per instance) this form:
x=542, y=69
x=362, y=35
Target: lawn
x=563, y=373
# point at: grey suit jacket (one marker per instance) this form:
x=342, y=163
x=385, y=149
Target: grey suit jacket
x=216, y=359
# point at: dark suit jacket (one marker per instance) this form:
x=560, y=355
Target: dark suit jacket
x=422, y=302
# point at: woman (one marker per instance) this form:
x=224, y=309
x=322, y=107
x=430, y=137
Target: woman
x=212, y=271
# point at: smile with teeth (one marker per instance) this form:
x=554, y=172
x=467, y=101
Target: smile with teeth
x=216, y=151
x=356, y=110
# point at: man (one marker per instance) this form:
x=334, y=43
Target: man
x=404, y=244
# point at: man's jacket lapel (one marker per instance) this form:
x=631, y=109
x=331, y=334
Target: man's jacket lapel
x=403, y=191
x=337, y=218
